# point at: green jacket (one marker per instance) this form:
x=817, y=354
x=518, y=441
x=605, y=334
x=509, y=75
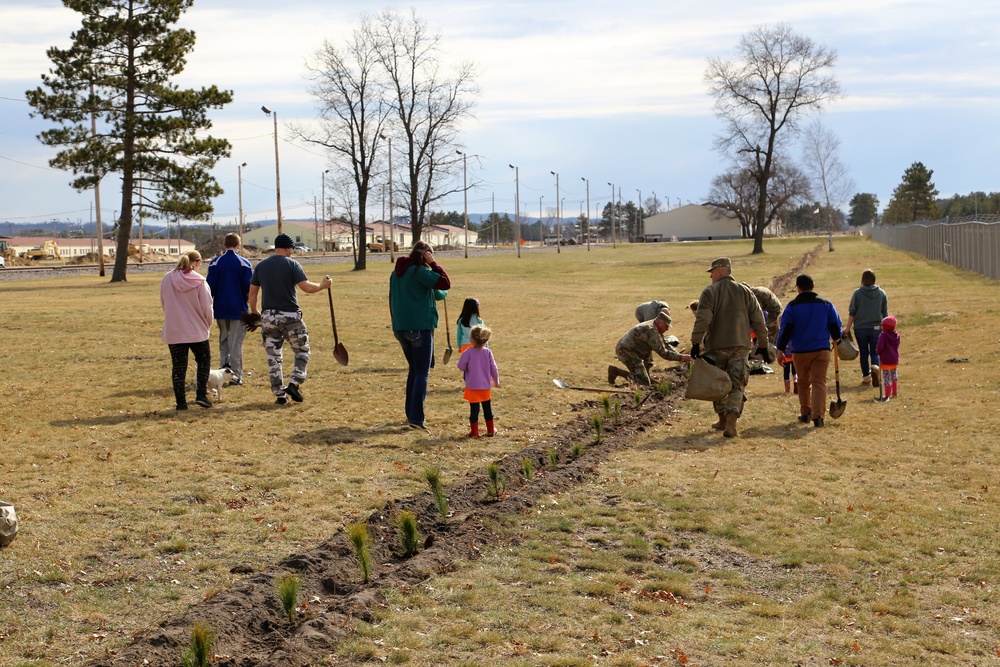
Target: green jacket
x=727, y=311
x=412, y=292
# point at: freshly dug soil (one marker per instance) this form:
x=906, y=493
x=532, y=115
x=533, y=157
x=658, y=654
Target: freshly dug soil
x=248, y=621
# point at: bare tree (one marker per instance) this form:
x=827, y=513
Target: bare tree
x=428, y=107
x=776, y=77
x=351, y=88
x=820, y=148
x=737, y=191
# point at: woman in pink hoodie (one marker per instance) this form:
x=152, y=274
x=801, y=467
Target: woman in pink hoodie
x=187, y=323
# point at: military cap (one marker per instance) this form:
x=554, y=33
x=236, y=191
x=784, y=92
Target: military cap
x=721, y=263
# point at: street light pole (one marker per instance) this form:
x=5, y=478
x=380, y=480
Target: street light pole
x=517, y=208
x=239, y=173
x=541, y=236
x=614, y=217
x=392, y=229
x=587, y=181
x=465, y=198
x=322, y=206
x=558, y=218
x=277, y=168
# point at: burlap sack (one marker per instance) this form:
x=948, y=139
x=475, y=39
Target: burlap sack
x=846, y=349
x=707, y=382
x=8, y=523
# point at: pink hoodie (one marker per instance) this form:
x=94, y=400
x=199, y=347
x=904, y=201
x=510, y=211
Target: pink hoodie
x=187, y=307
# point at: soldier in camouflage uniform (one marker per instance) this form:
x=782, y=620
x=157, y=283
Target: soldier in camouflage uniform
x=644, y=312
x=275, y=278
x=771, y=306
x=727, y=312
x=636, y=348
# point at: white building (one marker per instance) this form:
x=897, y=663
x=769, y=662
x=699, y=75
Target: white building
x=694, y=222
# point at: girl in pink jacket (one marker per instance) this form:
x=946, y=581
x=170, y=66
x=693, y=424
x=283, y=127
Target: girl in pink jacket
x=187, y=323
x=480, y=367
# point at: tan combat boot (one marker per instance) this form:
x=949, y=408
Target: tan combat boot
x=721, y=424
x=730, y=431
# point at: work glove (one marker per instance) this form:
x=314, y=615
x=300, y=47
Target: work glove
x=695, y=351
x=251, y=321
x=762, y=351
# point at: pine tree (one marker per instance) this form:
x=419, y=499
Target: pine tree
x=913, y=199
x=118, y=71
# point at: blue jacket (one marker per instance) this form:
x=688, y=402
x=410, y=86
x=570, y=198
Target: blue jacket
x=808, y=323
x=229, y=279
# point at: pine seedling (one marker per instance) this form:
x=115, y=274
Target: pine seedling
x=596, y=421
x=665, y=388
x=433, y=477
x=496, y=484
x=606, y=402
x=199, y=651
x=409, y=533
x=577, y=450
x=358, y=534
x=553, y=458
x=637, y=396
x=526, y=468
x=288, y=593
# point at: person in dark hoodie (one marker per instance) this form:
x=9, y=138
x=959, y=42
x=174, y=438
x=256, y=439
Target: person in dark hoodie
x=229, y=277
x=869, y=306
x=809, y=323
x=416, y=282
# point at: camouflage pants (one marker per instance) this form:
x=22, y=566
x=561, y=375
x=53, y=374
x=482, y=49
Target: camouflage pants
x=636, y=365
x=276, y=327
x=733, y=360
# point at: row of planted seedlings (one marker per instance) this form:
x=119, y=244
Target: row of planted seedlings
x=198, y=653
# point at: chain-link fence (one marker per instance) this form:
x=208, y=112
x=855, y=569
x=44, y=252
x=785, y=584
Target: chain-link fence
x=971, y=242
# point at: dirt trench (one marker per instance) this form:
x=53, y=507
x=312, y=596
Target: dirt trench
x=250, y=627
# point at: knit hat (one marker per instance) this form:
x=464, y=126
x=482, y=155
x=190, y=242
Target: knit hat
x=283, y=241
x=889, y=324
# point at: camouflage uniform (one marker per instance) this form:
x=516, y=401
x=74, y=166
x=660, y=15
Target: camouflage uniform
x=277, y=326
x=771, y=306
x=636, y=347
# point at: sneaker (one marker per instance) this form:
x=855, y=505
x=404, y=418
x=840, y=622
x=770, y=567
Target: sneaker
x=182, y=406
x=818, y=422
x=281, y=400
x=420, y=427
x=235, y=383
x=804, y=419
x=866, y=380
x=293, y=391
x=203, y=401
x=884, y=399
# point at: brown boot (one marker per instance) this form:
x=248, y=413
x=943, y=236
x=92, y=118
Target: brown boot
x=612, y=375
x=721, y=424
x=730, y=431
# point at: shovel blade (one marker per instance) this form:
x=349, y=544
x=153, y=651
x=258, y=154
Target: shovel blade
x=837, y=408
x=447, y=356
x=340, y=354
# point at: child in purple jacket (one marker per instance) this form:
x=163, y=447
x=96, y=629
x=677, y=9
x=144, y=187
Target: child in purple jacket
x=480, y=368
x=887, y=349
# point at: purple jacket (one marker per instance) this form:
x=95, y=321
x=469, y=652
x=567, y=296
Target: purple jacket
x=479, y=367
x=887, y=348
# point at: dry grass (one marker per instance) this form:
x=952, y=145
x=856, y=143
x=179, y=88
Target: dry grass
x=872, y=541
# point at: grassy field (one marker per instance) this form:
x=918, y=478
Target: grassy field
x=872, y=541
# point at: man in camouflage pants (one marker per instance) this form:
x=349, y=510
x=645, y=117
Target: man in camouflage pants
x=727, y=312
x=636, y=347
x=771, y=306
x=281, y=320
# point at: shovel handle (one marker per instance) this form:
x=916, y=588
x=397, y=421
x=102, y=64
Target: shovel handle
x=333, y=318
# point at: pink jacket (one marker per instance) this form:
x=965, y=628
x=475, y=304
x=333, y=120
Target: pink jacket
x=187, y=307
x=479, y=367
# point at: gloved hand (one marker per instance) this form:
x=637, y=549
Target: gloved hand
x=762, y=351
x=695, y=351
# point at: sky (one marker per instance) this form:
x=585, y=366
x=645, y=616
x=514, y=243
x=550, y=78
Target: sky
x=600, y=93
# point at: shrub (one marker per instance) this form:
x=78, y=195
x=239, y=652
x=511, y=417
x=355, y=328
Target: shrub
x=358, y=534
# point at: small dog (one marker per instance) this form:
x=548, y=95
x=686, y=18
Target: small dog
x=217, y=379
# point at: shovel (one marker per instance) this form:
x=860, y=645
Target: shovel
x=563, y=385
x=447, y=353
x=837, y=407
x=339, y=351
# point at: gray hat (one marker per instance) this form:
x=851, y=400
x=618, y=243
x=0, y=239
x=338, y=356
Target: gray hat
x=285, y=241
x=721, y=263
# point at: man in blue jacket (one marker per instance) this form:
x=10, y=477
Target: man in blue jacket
x=229, y=279
x=808, y=324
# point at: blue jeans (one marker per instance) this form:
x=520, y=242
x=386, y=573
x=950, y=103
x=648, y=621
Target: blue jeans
x=867, y=339
x=418, y=348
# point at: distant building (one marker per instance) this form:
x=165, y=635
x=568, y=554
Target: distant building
x=694, y=222
x=78, y=247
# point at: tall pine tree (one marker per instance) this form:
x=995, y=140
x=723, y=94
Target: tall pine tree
x=118, y=71
x=913, y=199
